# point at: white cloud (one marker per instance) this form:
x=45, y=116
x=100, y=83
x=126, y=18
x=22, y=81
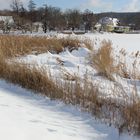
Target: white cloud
x=5, y=4
x=105, y=6
x=94, y=3
x=133, y=6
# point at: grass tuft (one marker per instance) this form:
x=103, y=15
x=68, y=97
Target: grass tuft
x=103, y=60
x=125, y=116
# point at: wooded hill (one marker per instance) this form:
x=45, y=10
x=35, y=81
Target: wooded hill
x=132, y=18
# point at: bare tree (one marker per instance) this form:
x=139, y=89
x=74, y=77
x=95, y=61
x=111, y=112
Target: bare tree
x=32, y=13
x=16, y=5
x=45, y=18
x=18, y=11
x=31, y=6
x=89, y=19
x=73, y=18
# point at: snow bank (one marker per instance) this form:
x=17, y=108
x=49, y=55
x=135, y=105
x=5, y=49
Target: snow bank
x=26, y=116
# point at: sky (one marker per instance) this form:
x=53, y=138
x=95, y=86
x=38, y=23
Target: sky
x=96, y=6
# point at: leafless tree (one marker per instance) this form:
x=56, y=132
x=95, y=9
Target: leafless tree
x=73, y=18
x=16, y=6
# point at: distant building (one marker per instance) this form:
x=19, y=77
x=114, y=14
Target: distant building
x=7, y=20
x=122, y=29
x=107, y=24
x=6, y=23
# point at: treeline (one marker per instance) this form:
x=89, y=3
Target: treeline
x=53, y=18
x=128, y=18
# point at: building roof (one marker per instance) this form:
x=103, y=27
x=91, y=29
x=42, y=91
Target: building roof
x=109, y=21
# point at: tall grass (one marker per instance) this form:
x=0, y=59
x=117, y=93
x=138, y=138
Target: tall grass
x=103, y=60
x=130, y=71
x=125, y=115
x=12, y=46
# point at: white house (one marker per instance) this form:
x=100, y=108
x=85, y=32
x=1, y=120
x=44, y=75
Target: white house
x=109, y=21
x=6, y=23
x=107, y=24
x=7, y=20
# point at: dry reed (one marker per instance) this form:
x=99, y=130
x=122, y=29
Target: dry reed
x=124, y=116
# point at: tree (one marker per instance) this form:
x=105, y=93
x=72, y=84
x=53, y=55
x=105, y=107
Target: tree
x=45, y=18
x=16, y=5
x=32, y=13
x=73, y=18
x=89, y=19
x=18, y=11
x=31, y=6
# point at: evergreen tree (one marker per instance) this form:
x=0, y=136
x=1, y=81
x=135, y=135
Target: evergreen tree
x=31, y=6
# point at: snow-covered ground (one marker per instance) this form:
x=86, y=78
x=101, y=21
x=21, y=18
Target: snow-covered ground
x=129, y=42
x=26, y=116
x=77, y=62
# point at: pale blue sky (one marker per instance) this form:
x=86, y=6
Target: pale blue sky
x=94, y=5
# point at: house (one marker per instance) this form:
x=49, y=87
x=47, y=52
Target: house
x=7, y=20
x=122, y=29
x=6, y=23
x=106, y=24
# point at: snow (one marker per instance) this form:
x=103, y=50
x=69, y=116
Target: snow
x=130, y=42
x=115, y=21
x=127, y=42
x=73, y=62
x=27, y=116
x=109, y=20
x=77, y=62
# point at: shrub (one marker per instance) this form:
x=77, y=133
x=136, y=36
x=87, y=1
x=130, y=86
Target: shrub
x=12, y=46
x=103, y=60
